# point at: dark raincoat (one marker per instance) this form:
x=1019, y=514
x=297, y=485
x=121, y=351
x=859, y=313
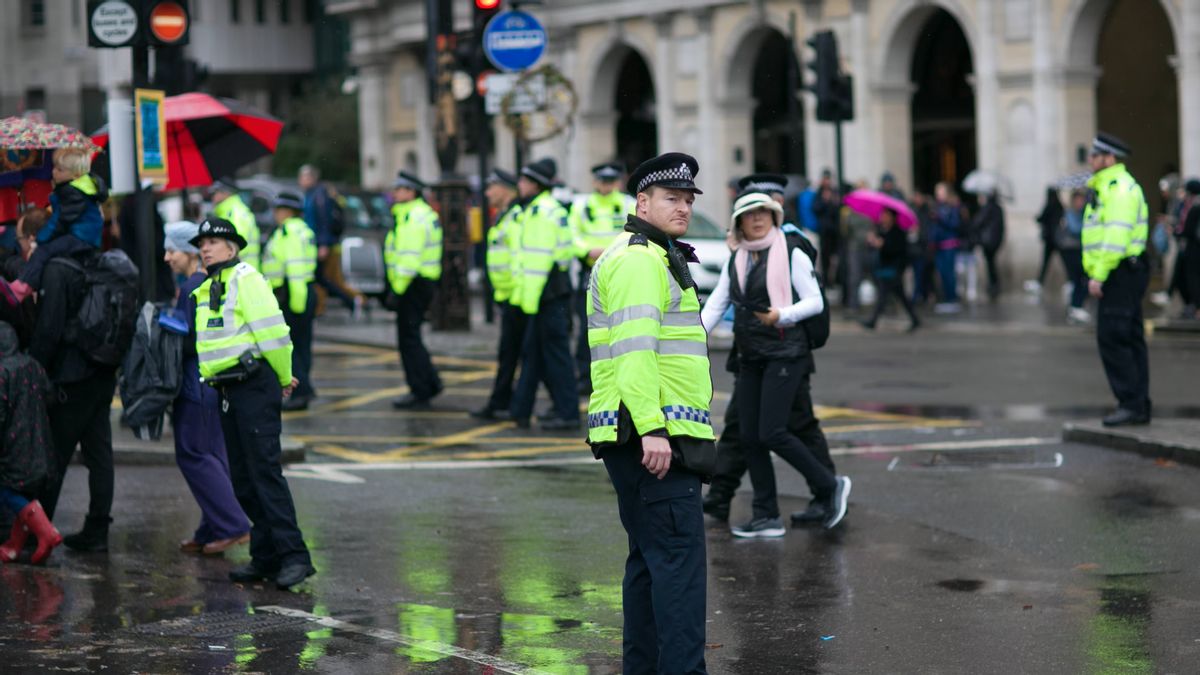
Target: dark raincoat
x=25, y=441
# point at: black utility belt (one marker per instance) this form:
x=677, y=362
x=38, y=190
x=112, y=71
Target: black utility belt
x=247, y=366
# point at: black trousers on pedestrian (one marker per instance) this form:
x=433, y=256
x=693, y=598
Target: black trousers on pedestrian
x=1048, y=249
x=891, y=285
x=301, y=328
x=80, y=418
x=1120, y=334
x=512, y=336
x=419, y=372
x=664, y=592
x=583, y=352
x=766, y=391
x=1072, y=259
x=546, y=356
x=993, y=271
x=251, y=426
x=731, y=461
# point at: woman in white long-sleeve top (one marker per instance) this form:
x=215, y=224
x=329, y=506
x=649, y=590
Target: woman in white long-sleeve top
x=772, y=286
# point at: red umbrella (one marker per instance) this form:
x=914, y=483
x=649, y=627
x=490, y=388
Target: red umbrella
x=209, y=137
x=871, y=204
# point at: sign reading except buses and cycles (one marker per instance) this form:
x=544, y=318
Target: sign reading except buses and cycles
x=150, y=131
x=514, y=41
x=112, y=23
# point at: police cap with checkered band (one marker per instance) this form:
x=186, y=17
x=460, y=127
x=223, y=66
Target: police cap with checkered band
x=674, y=170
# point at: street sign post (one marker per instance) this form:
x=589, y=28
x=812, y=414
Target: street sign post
x=112, y=23
x=514, y=41
x=150, y=133
x=528, y=98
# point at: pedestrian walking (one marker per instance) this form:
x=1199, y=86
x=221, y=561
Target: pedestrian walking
x=1049, y=221
x=196, y=417
x=412, y=254
x=989, y=227
x=27, y=454
x=245, y=353
x=947, y=239
x=502, y=251
x=771, y=284
x=1114, y=241
x=543, y=292
x=887, y=185
x=324, y=215
x=289, y=263
x=595, y=222
x=651, y=400
x=1069, y=245
x=1188, y=259
x=826, y=206
x=227, y=204
x=922, y=250
x=891, y=244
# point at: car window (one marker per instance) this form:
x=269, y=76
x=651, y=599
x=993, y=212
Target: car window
x=703, y=228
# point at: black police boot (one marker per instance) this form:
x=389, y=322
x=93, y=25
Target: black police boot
x=290, y=575
x=93, y=538
x=250, y=573
x=410, y=402
x=1123, y=417
x=558, y=424
x=816, y=512
x=716, y=504
x=296, y=403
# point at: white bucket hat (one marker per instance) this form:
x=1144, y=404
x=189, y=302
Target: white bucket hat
x=755, y=200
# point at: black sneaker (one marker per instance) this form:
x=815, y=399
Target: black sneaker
x=290, y=575
x=249, y=573
x=410, y=402
x=837, y=504
x=815, y=513
x=484, y=413
x=717, y=508
x=763, y=528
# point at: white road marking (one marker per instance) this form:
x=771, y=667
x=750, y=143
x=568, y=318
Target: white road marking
x=336, y=472
x=496, y=663
x=948, y=446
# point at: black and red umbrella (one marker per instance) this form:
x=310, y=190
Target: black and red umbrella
x=209, y=137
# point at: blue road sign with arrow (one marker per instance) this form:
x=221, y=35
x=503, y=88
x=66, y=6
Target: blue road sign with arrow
x=514, y=41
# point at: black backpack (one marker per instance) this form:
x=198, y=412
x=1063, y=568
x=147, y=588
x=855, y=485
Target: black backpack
x=337, y=213
x=151, y=375
x=104, y=326
x=816, y=327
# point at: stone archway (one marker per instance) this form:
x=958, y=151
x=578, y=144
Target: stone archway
x=1118, y=59
x=758, y=76
x=618, y=112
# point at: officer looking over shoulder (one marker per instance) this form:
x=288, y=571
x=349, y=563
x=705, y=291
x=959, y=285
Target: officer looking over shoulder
x=648, y=417
x=228, y=205
x=289, y=263
x=245, y=352
x=595, y=221
x=1114, y=239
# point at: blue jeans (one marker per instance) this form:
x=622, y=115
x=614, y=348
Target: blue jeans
x=12, y=500
x=944, y=261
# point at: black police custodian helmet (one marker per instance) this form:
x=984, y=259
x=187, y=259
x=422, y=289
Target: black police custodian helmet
x=218, y=228
x=674, y=170
x=543, y=172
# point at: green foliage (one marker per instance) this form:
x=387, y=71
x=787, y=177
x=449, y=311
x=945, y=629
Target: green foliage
x=321, y=129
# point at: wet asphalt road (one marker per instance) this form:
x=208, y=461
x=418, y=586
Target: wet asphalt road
x=976, y=542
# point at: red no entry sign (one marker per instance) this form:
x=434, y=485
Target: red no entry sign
x=168, y=22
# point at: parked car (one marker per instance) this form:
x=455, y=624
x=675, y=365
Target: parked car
x=709, y=240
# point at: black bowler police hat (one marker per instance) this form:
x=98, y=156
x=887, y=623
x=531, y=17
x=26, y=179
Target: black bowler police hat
x=763, y=182
x=542, y=172
x=407, y=180
x=1110, y=145
x=502, y=177
x=218, y=228
x=674, y=170
x=608, y=170
x=288, y=200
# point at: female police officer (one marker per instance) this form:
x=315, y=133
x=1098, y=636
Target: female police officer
x=245, y=352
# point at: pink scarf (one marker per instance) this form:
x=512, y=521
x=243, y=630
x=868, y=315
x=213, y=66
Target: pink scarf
x=779, y=282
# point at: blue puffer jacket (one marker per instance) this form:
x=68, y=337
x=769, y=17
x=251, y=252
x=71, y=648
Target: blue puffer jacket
x=76, y=210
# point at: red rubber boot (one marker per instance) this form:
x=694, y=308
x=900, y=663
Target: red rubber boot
x=10, y=549
x=36, y=522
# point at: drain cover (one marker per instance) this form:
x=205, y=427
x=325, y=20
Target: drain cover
x=219, y=625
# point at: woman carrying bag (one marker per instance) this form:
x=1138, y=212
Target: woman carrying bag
x=773, y=289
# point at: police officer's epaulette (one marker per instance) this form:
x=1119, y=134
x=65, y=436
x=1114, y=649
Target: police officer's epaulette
x=639, y=239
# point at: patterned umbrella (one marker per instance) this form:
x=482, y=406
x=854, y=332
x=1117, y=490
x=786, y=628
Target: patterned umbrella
x=209, y=137
x=1074, y=181
x=19, y=133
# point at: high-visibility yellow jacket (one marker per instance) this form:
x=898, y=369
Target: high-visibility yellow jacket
x=414, y=246
x=545, y=244
x=649, y=349
x=501, y=252
x=596, y=221
x=1115, y=224
x=248, y=319
x=234, y=210
x=290, y=257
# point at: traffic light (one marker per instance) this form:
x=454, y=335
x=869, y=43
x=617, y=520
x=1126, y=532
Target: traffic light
x=843, y=97
x=487, y=5
x=484, y=11
x=825, y=74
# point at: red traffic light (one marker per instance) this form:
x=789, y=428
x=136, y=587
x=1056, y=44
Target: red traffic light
x=487, y=5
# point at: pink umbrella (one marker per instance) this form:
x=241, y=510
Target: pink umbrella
x=871, y=204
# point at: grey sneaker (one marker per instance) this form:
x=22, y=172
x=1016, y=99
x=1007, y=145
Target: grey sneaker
x=760, y=528
x=837, y=504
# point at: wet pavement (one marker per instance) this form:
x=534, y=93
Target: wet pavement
x=977, y=541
